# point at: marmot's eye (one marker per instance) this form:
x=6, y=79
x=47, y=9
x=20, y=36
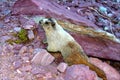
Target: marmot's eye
x=46, y=22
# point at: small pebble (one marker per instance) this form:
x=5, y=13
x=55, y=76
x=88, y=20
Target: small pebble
x=25, y=59
x=18, y=71
x=110, y=14
x=7, y=20
x=6, y=12
x=17, y=64
x=103, y=9
x=62, y=67
x=17, y=29
x=36, y=50
x=30, y=49
x=28, y=26
x=68, y=8
x=31, y=35
x=106, y=28
x=100, y=78
x=23, y=50
x=1, y=25
x=26, y=68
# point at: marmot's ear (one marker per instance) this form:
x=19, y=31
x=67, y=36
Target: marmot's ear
x=52, y=20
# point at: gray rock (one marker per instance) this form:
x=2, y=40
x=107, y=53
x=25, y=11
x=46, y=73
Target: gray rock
x=17, y=29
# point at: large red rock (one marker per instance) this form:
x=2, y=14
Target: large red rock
x=98, y=47
x=80, y=72
x=49, y=8
x=42, y=57
x=110, y=72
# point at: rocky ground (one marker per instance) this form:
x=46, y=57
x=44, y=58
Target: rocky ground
x=28, y=60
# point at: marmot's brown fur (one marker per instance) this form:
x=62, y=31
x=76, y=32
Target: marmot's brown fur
x=59, y=40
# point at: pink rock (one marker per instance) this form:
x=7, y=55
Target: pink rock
x=36, y=70
x=42, y=57
x=80, y=72
x=28, y=26
x=7, y=49
x=16, y=78
x=26, y=68
x=31, y=35
x=43, y=69
x=30, y=49
x=4, y=38
x=25, y=59
x=17, y=64
x=97, y=47
x=110, y=72
x=17, y=46
x=23, y=50
x=62, y=67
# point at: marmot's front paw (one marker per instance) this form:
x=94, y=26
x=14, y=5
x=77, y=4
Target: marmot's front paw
x=51, y=49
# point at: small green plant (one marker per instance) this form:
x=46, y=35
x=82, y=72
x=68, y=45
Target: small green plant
x=22, y=37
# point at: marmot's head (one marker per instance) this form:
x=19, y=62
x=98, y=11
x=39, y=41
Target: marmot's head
x=48, y=24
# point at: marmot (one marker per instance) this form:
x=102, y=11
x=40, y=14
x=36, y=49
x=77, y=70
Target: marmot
x=60, y=40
